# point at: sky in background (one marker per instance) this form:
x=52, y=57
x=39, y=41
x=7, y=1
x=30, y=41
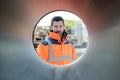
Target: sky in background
x=46, y=20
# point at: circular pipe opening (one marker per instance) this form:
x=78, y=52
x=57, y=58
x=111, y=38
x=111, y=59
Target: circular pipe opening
x=75, y=28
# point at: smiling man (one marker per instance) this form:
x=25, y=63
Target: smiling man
x=57, y=48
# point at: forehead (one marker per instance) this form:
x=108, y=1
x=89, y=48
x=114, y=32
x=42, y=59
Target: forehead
x=57, y=23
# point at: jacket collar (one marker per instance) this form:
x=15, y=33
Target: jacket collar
x=55, y=36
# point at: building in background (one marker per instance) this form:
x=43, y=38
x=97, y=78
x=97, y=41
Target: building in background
x=81, y=36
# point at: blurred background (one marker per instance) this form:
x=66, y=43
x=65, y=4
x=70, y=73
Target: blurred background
x=75, y=28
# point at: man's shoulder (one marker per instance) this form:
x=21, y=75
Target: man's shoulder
x=69, y=41
x=45, y=43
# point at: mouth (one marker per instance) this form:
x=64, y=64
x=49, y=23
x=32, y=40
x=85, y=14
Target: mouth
x=59, y=32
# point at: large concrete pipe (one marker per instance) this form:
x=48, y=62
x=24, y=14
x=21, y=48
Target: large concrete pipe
x=19, y=61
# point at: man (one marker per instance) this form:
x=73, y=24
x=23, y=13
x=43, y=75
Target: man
x=57, y=48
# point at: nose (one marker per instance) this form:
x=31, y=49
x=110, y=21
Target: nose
x=58, y=28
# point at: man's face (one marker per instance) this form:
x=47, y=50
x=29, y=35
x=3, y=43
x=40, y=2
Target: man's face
x=58, y=27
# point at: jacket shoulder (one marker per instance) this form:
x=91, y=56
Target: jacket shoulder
x=45, y=43
x=69, y=41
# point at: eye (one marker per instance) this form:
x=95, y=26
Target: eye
x=60, y=26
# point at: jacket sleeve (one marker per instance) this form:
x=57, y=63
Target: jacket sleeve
x=74, y=53
x=43, y=51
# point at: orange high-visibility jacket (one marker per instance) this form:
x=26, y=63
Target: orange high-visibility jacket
x=55, y=52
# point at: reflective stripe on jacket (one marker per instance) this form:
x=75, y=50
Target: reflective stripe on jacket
x=52, y=58
x=56, y=52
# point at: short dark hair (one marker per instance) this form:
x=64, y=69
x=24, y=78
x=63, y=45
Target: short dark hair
x=57, y=18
